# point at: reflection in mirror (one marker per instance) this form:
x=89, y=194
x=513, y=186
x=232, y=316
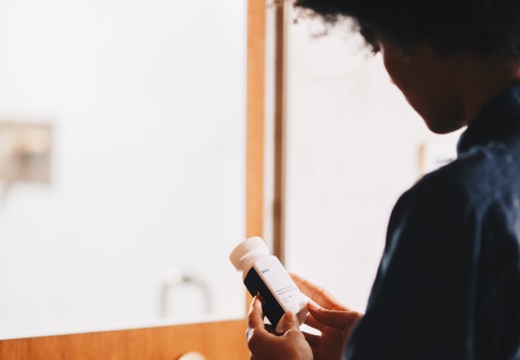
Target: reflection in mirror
x=354, y=145
x=122, y=156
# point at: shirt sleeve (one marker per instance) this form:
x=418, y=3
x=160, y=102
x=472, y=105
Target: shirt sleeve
x=421, y=303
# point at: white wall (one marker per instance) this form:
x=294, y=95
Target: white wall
x=147, y=101
x=353, y=148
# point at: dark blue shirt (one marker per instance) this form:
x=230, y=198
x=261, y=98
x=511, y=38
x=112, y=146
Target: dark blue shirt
x=448, y=284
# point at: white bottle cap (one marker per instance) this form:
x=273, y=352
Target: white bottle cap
x=248, y=250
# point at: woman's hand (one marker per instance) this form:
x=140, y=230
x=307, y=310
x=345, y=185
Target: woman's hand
x=264, y=345
x=326, y=314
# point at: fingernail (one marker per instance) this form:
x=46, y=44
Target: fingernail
x=313, y=305
x=253, y=301
x=288, y=319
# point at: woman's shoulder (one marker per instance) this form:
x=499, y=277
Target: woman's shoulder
x=481, y=175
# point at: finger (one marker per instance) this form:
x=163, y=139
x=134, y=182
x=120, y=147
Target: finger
x=256, y=332
x=317, y=293
x=312, y=339
x=339, y=319
x=290, y=322
x=271, y=329
x=255, y=317
x=314, y=343
x=313, y=323
x=315, y=353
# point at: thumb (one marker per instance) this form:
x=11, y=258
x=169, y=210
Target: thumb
x=290, y=322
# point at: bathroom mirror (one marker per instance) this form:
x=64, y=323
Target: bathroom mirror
x=122, y=155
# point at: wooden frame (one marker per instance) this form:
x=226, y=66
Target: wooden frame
x=279, y=131
x=255, y=117
x=215, y=340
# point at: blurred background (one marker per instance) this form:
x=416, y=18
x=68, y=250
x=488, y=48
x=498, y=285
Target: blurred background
x=122, y=152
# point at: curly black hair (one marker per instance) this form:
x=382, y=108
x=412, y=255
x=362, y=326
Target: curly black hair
x=490, y=28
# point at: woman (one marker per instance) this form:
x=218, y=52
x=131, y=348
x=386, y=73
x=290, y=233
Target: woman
x=448, y=284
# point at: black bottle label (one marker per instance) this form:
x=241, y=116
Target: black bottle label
x=256, y=286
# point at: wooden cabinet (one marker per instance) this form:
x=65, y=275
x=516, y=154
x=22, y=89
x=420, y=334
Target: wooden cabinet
x=223, y=340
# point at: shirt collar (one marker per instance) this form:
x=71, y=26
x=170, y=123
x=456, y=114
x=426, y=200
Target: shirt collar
x=500, y=111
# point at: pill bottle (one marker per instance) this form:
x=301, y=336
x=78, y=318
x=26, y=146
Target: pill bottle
x=265, y=275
